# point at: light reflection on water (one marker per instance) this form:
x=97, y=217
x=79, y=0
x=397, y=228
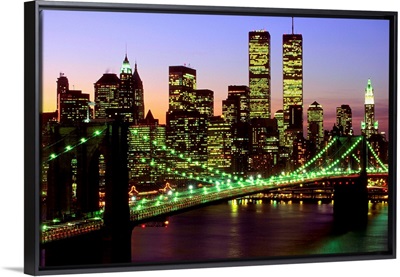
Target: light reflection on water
x=252, y=229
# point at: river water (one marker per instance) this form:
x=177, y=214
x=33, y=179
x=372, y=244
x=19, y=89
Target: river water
x=244, y=230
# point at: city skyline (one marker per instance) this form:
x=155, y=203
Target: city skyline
x=156, y=93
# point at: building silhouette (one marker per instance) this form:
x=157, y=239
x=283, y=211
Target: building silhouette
x=138, y=96
x=187, y=136
x=73, y=106
x=264, y=146
x=236, y=108
x=187, y=117
x=279, y=119
x=219, y=144
x=204, y=101
x=146, y=159
x=369, y=126
x=344, y=120
x=106, y=95
x=62, y=87
x=125, y=95
x=315, y=124
x=182, y=84
x=120, y=97
x=294, y=124
x=260, y=74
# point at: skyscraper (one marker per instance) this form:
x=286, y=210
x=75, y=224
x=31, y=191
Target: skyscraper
x=204, y=101
x=138, y=96
x=292, y=79
x=146, y=161
x=264, y=145
x=344, y=120
x=106, y=91
x=236, y=107
x=369, y=126
x=279, y=119
x=187, y=135
x=260, y=74
x=315, y=126
x=62, y=86
x=125, y=96
x=73, y=106
x=187, y=117
x=182, y=83
x=219, y=144
x=131, y=96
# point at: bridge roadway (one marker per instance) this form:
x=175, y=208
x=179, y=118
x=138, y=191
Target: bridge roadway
x=176, y=202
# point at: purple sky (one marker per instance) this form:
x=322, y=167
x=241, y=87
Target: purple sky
x=339, y=55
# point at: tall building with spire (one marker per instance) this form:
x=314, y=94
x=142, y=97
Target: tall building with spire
x=138, y=95
x=260, y=74
x=125, y=99
x=369, y=126
x=292, y=84
x=131, y=96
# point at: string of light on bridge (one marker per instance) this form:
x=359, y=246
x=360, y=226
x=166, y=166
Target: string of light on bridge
x=319, y=155
x=222, y=182
x=218, y=182
x=345, y=154
x=224, y=175
x=376, y=156
x=68, y=148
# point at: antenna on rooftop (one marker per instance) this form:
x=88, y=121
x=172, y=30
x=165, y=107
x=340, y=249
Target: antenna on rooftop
x=292, y=25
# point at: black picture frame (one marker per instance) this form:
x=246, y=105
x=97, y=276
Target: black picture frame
x=33, y=53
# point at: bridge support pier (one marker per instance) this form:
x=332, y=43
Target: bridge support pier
x=350, y=208
x=116, y=215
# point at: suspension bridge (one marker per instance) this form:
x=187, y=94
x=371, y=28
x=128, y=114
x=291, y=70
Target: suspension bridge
x=340, y=163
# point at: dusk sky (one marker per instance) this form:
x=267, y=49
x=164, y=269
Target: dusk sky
x=339, y=55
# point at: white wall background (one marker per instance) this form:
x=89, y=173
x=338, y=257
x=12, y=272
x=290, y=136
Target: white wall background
x=11, y=148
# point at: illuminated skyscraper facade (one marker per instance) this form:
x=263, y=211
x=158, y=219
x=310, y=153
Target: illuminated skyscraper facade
x=237, y=106
x=62, y=86
x=138, y=96
x=279, y=119
x=131, y=95
x=187, y=135
x=146, y=161
x=315, y=124
x=293, y=82
x=219, y=144
x=369, y=126
x=73, y=106
x=260, y=74
x=182, y=85
x=126, y=90
x=264, y=145
x=344, y=120
x=106, y=94
x=187, y=117
x=204, y=101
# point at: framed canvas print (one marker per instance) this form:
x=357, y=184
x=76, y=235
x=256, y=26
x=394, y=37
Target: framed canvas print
x=167, y=136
